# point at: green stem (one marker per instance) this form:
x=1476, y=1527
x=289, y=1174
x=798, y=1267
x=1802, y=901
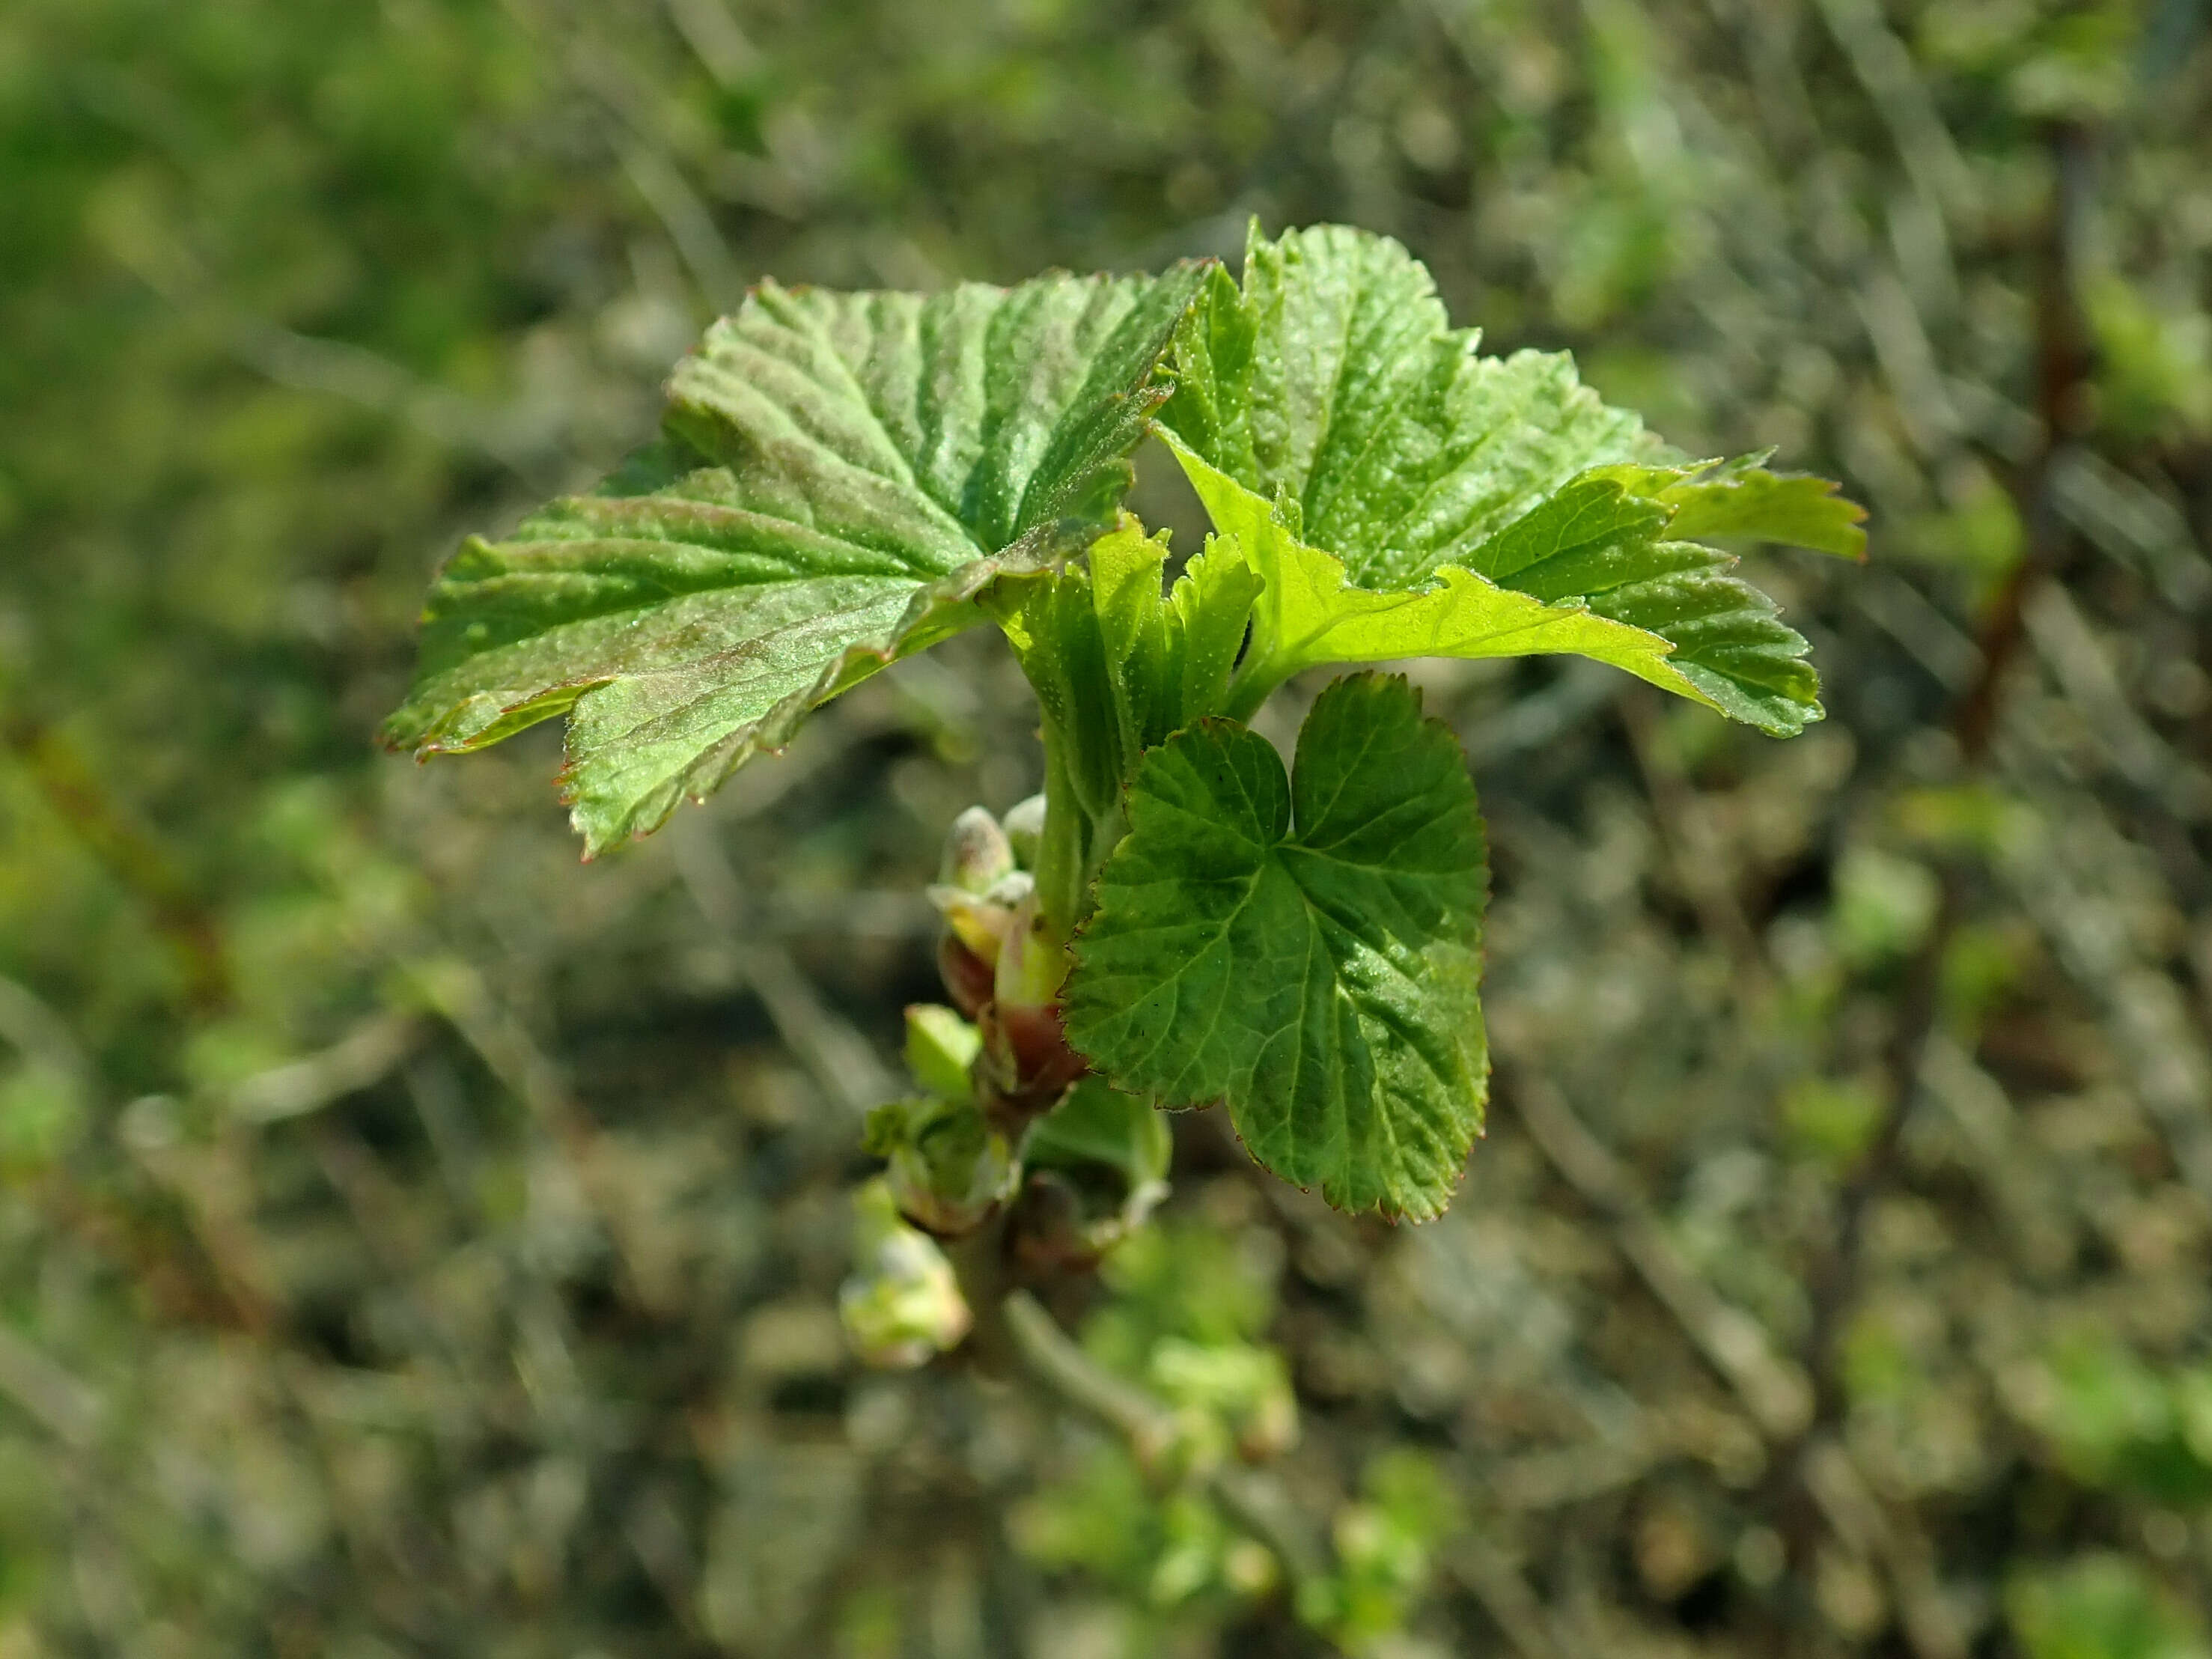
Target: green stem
x=1061, y=849
x=1076, y=838
x=1255, y=682
x=1253, y=1497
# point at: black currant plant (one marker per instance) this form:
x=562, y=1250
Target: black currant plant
x=1177, y=919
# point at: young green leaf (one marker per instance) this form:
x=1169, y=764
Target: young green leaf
x=940, y=1047
x=1110, y=1153
x=1741, y=498
x=1305, y=948
x=1308, y=612
x=1330, y=389
x=1117, y=666
x=840, y=475
x=1170, y=660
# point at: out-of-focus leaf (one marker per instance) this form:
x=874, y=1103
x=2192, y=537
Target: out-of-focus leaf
x=2100, y=1607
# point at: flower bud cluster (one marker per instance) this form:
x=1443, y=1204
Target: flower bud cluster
x=1003, y=963
x=1006, y=1116
x=978, y=890
x=949, y=1167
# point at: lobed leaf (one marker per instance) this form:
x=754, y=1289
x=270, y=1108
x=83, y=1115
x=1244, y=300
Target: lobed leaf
x=1304, y=947
x=839, y=475
x=1330, y=389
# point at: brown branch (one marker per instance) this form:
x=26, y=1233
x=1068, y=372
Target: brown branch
x=2063, y=365
x=76, y=796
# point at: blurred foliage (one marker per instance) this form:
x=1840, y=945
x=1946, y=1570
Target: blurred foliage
x=410, y=1243
x=1189, y=1300
x=2103, y=1607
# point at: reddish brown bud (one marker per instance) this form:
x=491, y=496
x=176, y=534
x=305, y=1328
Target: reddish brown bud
x=1027, y=1065
x=967, y=978
x=1045, y=1230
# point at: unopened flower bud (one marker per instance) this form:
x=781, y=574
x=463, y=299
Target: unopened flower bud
x=976, y=852
x=940, y=1047
x=948, y=1168
x=1011, y=890
x=983, y=920
x=968, y=977
x=902, y=1305
x=1027, y=1067
x=1025, y=827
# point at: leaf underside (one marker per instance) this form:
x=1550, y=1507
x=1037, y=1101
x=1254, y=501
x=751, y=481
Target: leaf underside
x=1305, y=948
x=838, y=476
x=1329, y=392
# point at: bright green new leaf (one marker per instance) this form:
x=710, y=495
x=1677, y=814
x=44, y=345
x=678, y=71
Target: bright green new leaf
x=840, y=475
x=1116, y=662
x=1741, y=498
x=1309, y=612
x=1117, y=665
x=1305, y=948
x=1170, y=659
x=1331, y=387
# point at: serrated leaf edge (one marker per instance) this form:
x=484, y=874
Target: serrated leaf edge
x=1043, y=548
x=1382, y=1209
x=934, y=601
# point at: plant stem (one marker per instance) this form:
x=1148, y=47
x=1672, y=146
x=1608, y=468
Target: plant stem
x=1061, y=849
x=1256, y=679
x=1067, y=1372
x=979, y=1263
x=1077, y=838
x=1253, y=1498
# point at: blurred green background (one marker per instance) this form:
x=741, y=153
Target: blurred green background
x=412, y=1243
